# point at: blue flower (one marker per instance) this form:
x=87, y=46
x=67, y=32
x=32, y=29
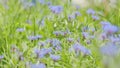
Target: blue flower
x=55, y=42
x=58, y=48
x=95, y=17
x=42, y=43
x=71, y=17
x=70, y=39
x=34, y=37
x=20, y=29
x=110, y=29
x=44, y=51
x=79, y=48
x=55, y=57
x=85, y=35
x=57, y=33
x=1, y=57
x=90, y=11
x=114, y=39
x=41, y=1
x=103, y=36
x=110, y=49
x=56, y=9
x=77, y=13
x=40, y=65
x=104, y=23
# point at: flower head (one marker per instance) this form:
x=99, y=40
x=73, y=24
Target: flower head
x=109, y=49
x=55, y=42
x=56, y=9
x=1, y=57
x=34, y=37
x=20, y=29
x=40, y=65
x=90, y=11
x=95, y=17
x=79, y=48
x=110, y=29
x=55, y=57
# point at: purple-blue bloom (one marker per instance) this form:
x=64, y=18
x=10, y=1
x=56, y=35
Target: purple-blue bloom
x=77, y=13
x=85, y=35
x=34, y=37
x=104, y=23
x=55, y=42
x=55, y=57
x=95, y=17
x=70, y=39
x=40, y=65
x=71, y=17
x=41, y=1
x=56, y=9
x=114, y=39
x=42, y=43
x=79, y=48
x=90, y=11
x=110, y=29
x=42, y=52
x=110, y=49
x=1, y=57
x=20, y=29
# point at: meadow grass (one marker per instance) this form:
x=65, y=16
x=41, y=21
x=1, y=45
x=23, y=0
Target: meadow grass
x=37, y=19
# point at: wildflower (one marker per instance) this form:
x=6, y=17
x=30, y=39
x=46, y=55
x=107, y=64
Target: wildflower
x=85, y=35
x=49, y=3
x=77, y=13
x=57, y=33
x=20, y=29
x=48, y=41
x=103, y=36
x=110, y=29
x=55, y=42
x=79, y=48
x=70, y=39
x=114, y=39
x=110, y=49
x=104, y=23
x=42, y=43
x=55, y=57
x=71, y=17
x=90, y=11
x=85, y=28
x=34, y=37
x=41, y=1
x=58, y=48
x=95, y=17
x=38, y=36
x=56, y=9
x=40, y=65
x=44, y=51
x=77, y=7
x=37, y=51
x=1, y=57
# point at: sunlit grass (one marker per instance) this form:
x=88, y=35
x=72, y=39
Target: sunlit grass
x=30, y=18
